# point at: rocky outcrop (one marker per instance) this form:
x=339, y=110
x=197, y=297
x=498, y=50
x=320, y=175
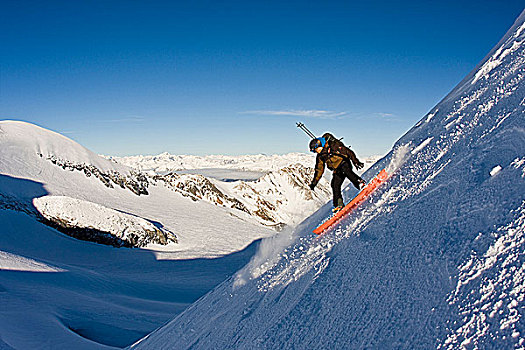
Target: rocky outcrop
x=277, y=199
x=136, y=182
x=198, y=187
x=93, y=222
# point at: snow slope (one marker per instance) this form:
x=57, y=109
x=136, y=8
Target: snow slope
x=434, y=259
x=57, y=292
x=63, y=167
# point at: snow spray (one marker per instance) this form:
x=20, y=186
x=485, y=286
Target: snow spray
x=399, y=157
x=267, y=256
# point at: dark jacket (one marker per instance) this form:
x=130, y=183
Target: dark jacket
x=332, y=155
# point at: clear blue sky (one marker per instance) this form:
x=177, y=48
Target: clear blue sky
x=233, y=77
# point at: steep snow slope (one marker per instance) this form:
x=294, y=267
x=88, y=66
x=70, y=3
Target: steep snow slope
x=434, y=258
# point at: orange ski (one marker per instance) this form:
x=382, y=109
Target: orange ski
x=365, y=192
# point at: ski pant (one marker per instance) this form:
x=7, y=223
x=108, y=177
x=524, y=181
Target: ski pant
x=344, y=170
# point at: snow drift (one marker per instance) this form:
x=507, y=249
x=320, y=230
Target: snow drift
x=433, y=259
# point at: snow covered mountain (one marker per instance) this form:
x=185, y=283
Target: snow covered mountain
x=59, y=292
x=274, y=189
x=75, y=174
x=433, y=259
x=276, y=199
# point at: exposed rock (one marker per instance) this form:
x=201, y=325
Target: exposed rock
x=11, y=203
x=136, y=182
x=198, y=187
x=86, y=233
x=93, y=222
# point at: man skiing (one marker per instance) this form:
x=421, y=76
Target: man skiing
x=338, y=158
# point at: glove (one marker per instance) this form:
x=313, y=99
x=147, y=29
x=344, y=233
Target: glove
x=312, y=186
x=359, y=165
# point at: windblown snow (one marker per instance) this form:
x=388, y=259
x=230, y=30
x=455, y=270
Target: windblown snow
x=433, y=259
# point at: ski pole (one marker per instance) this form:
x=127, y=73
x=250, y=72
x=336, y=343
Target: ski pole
x=305, y=129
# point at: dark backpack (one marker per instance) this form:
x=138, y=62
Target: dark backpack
x=333, y=141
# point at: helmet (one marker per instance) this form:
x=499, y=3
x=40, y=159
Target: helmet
x=316, y=143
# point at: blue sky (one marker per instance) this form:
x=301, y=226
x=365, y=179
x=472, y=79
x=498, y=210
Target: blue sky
x=233, y=77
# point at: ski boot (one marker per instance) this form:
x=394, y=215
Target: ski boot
x=336, y=209
x=339, y=206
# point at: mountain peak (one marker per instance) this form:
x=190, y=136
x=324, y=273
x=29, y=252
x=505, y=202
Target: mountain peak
x=23, y=142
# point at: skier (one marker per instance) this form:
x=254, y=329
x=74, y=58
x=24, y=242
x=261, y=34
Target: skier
x=339, y=159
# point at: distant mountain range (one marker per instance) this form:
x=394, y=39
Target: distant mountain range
x=272, y=188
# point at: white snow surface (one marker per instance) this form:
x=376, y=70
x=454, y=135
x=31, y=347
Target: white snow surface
x=14, y=262
x=29, y=139
x=84, y=214
x=25, y=175
x=433, y=259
